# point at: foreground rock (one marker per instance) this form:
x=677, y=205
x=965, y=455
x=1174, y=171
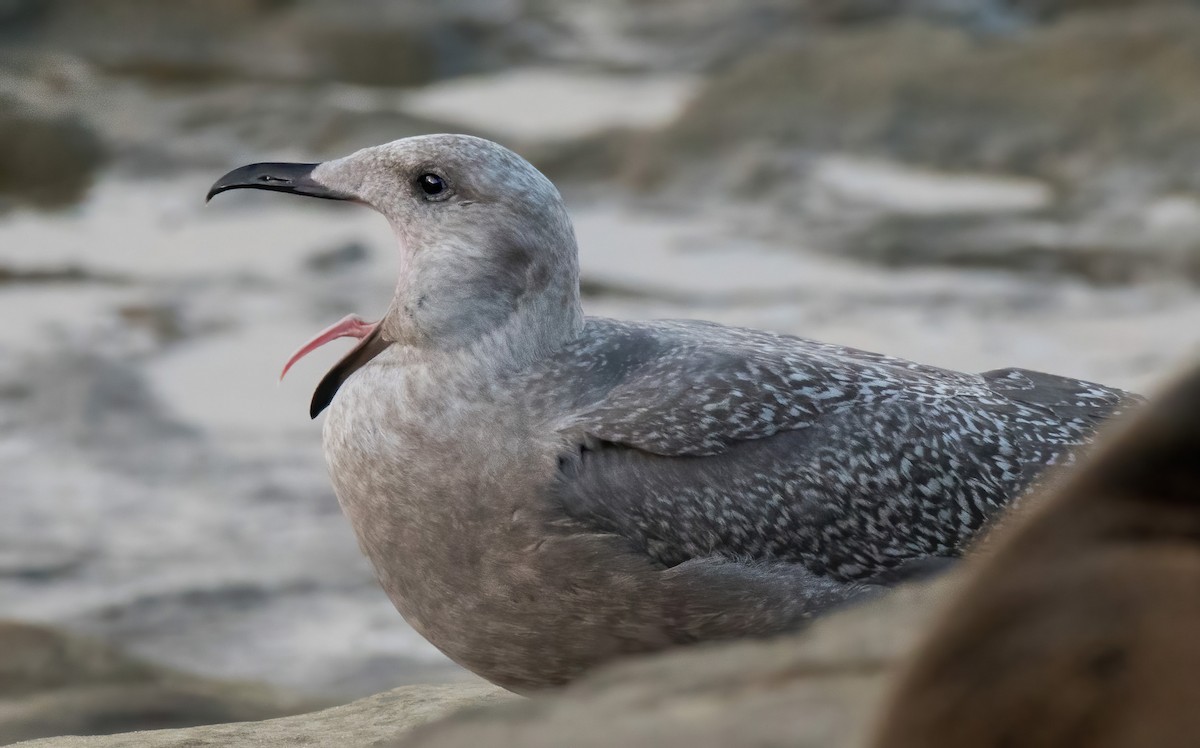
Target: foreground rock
x=52, y=684
x=375, y=720
x=816, y=688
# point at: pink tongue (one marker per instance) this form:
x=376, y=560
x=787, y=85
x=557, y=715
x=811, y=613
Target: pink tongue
x=351, y=326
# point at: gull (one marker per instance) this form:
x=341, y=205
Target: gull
x=540, y=491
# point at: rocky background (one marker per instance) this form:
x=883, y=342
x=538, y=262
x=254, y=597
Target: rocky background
x=969, y=183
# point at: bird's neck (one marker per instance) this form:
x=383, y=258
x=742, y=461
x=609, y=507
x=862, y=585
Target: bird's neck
x=513, y=297
x=537, y=328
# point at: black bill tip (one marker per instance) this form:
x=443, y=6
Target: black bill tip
x=276, y=177
x=367, y=349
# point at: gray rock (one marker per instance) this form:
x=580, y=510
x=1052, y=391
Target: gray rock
x=1034, y=247
x=1095, y=106
x=816, y=688
x=34, y=659
x=49, y=160
x=52, y=683
x=182, y=41
x=375, y=720
x=387, y=43
x=337, y=258
x=105, y=404
x=1097, y=88
x=373, y=43
x=1052, y=9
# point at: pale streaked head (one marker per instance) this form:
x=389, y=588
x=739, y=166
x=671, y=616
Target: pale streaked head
x=485, y=240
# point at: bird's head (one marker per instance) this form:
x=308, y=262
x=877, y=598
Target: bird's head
x=487, y=249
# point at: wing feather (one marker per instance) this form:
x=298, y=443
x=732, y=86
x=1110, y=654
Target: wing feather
x=710, y=441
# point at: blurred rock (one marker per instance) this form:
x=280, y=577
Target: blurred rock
x=1098, y=107
x=198, y=41
x=674, y=35
x=371, y=54
x=47, y=161
x=163, y=320
x=40, y=560
x=85, y=398
x=386, y=43
x=1060, y=101
x=53, y=683
x=1039, y=248
x=180, y=41
x=813, y=689
x=64, y=274
x=1051, y=9
x=271, y=75
x=372, y=721
x=222, y=126
x=36, y=659
x=591, y=162
x=684, y=35
x=337, y=258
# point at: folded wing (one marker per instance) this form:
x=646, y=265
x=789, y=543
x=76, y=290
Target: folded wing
x=695, y=440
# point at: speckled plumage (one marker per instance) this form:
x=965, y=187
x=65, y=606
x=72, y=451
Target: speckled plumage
x=541, y=492
x=739, y=443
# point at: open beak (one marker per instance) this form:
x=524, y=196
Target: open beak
x=297, y=179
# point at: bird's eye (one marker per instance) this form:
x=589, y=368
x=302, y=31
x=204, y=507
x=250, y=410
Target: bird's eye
x=432, y=185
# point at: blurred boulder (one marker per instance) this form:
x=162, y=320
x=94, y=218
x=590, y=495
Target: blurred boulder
x=46, y=160
x=1098, y=107
x=35, y=659
x=1059, y=101
x=1052, y=9
x=337, y=258
x=813, y=689
x=189, y=41
x=53, y=683
x=712, y=35
x=390, y=43
x=1090, y=250
x=411, y=50
x=185, y=41
x=180, y=40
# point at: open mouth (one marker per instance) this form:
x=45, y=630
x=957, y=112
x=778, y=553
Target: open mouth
x=297, y=179
x=350, y=326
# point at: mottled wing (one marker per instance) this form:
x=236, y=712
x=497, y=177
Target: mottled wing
x=1054, y=414
x=719, y=442
x=696, y=388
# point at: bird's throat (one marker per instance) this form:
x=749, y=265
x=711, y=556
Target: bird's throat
x=371, y=343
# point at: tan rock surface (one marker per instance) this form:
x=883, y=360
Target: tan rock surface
x=374, y=720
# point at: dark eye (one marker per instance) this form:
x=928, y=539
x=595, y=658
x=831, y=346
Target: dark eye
x=431, y=184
